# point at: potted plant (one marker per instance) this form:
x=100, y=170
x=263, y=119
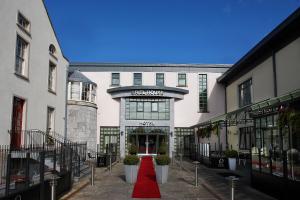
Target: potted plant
x=162, y=168
x=132, y=150
x=131, y=168
x=162, y=150
x=231, y=155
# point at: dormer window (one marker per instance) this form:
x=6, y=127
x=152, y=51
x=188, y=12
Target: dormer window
x=23, y=22
x=52, y=49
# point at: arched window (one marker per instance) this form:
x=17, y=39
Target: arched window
x=52, y=49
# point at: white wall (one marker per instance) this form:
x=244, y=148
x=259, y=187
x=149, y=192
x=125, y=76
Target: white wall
x=34, y=91
x=186, y=110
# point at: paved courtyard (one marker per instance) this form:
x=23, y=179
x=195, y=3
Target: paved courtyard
x=180, y=186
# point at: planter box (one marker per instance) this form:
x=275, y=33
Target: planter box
x=232, y=164
x=131, y=173
x=162, y=172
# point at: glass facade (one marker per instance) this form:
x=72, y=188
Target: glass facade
x=110, y=139
x=150, y=109
x=276, y=150
x=184, y=137
x=203, y=92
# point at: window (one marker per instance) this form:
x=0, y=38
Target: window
x=152, y=109
x=85, y=96
x=23, y=22
x=75, y=90
x=50, y=119
x=160, y=79
x=93, y=93
x=115, y=79
x=203, y=92
x=182, y=80
x=245, y=93
x=52, y=49
x=246, y=136
x=137, y=79
x=52, y=77
x=21, y=56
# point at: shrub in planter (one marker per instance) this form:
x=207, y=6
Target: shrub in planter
x=132, y=149
x=231, y=155
x=162, y=149
x=131, y=160
x=162, y=168
x=131, y=168
x=162, y=160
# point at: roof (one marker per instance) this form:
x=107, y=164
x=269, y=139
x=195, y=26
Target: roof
x=88, y=64
x=77, y=76
x=283, y=34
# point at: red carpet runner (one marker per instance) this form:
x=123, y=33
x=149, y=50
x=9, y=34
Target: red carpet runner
x=146, y=185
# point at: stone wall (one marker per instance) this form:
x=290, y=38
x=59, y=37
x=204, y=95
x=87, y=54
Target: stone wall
x=82, y=124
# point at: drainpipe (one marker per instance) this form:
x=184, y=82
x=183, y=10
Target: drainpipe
x=66, y=101
x=274, y=73
x=226, y=130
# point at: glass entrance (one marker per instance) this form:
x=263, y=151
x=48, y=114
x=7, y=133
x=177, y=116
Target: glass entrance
x=152, y=144
x=142, y=144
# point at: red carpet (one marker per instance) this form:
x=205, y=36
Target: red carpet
x=146, y=185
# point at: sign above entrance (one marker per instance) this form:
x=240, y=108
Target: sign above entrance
x=147, y=93
x=146, y=123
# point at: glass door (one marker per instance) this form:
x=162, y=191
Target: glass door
x=142, y=144
x=152, y=144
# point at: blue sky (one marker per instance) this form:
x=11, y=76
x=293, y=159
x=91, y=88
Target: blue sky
x=164, y=31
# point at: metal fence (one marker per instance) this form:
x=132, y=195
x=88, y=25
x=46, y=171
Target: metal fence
x=209, y=154
x=29, y=165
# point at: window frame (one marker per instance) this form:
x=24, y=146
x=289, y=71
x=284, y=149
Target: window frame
x=52, y=109
x=112, y=82
x=25, y=59
x=161, y=78
x=203, y=106
x=27, y=28
x=135, y=78
x=178, y=80
x=240, y=91
x=52, y=88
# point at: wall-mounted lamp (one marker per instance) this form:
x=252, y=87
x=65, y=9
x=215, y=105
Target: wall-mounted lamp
x=171, y=134
x=121, y=133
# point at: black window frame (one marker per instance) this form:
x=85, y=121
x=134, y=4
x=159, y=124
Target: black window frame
x=162, y=79
x=137, y=80
x=203, y=94
x=115, y=78
x=179, y=78
x=242, y=87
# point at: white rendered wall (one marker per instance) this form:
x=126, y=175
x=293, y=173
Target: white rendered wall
x=186, y=110
x=34, y=91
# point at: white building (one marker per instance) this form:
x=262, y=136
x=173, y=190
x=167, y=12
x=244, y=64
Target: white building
x=32, y=71
x=147, y=104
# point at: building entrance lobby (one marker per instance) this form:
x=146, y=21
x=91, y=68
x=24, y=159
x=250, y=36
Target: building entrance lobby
x=147, y=139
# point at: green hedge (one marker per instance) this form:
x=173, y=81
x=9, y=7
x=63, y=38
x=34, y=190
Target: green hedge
x=163, y=148
x=162, y=160
x=131, y=160
x=132, y=149
x=231, y=153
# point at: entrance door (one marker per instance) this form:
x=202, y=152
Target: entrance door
x=17, y=121
x=152, y=144
x=142, y=139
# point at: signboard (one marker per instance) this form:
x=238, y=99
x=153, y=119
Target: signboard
x=146, y=123
x=147, y=93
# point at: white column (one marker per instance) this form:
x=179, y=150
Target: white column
x=80, y=91
x=122, y=128
x=69, y=90
x=90, y=94
x=172, y=129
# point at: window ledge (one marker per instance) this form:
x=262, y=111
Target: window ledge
x=115, y=85
x=203, y=111
x=51, y=91
x=22, y=76
x=24, y=30
x=181, y=86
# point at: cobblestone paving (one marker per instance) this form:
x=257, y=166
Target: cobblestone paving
x=180, y=186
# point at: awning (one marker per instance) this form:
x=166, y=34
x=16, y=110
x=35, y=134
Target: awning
x=290, y=97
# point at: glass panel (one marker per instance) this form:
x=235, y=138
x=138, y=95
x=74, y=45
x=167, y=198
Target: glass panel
x=181, y=79
x=137, y=78
x=115, y=79
x=293, y=154
x=142, y=143
x=75, y=90
x=277, y=156
x=265, y=151
x=154, y=107
x=152, y=144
